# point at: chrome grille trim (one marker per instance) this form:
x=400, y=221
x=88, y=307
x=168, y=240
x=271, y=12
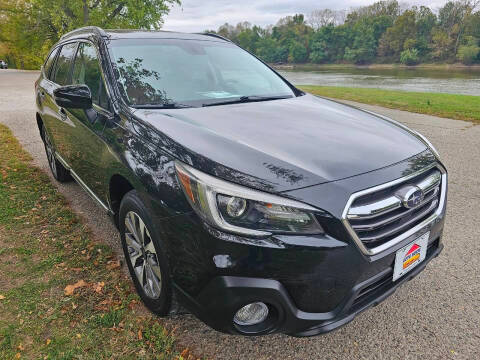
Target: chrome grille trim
x=391, y=203
x=428, y=185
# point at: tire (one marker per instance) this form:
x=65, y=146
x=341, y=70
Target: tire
x=144, y=255
x=58, y=170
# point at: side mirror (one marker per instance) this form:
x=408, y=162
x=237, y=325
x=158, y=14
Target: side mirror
x=73, y=97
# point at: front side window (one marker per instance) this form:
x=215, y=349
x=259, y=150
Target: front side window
x=64, y=64
x=49, y=63
x=192, y=72
x=87, y=71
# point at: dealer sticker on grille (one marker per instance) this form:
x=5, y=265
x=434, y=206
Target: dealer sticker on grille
x=410, y=256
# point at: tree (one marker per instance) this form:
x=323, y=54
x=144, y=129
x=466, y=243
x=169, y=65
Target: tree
x=31, y=27
x=403, y=32
x=298, y=53
x=324, y=17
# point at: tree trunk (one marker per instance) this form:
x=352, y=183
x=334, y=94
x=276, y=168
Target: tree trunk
x=85, y=12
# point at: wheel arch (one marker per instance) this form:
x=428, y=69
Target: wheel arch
x=40, y=124
x=118, y=187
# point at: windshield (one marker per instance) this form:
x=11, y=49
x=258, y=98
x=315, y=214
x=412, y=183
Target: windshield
x=191, y=72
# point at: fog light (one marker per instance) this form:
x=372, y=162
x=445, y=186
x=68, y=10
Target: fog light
x=251, y=314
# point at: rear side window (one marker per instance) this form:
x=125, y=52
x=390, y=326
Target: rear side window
x=87, y=71
x=64, y=64
x=49, y=63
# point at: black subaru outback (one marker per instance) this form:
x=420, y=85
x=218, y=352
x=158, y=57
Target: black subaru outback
x=256, y=206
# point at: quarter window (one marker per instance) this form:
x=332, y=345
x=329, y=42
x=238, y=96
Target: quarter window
x=49, y=63
x=87, y=71
x=64, y=64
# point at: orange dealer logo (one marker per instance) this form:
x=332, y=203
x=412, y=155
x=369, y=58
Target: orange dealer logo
x=411, y=256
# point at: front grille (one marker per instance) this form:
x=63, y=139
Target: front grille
x=379, y=216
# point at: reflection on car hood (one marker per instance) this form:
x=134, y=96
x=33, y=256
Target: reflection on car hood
x=282, y=144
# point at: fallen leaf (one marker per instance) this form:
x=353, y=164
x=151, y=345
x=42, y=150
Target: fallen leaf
x=48, y=341
x=98, y=287
x=69, y=289
x=184, y=353
x=20, y=347
x=140, y=336
x=113, y=265
x=17, y=356
x=79, y=336
x=2, y=297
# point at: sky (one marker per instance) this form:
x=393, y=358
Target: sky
x=200, y=15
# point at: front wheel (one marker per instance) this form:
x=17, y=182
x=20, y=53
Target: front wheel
x=144, y=256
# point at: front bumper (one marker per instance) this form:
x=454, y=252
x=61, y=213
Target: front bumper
x=217, y=303
x=312, y=284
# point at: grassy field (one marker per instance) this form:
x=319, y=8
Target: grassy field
x=62, y=294
x=460, y=107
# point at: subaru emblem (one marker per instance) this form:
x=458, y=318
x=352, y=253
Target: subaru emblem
x=411, y=196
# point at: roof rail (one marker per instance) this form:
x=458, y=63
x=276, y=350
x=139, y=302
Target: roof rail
x=86, y=29
x=215, y=35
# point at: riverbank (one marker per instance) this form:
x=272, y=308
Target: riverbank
x=460, y=107
x=319, y=67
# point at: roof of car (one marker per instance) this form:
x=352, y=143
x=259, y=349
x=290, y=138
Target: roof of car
x=139, y=34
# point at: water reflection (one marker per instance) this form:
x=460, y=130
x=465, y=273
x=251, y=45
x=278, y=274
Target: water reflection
x=461, y=81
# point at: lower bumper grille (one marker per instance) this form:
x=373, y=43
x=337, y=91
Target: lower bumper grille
x=385, y=282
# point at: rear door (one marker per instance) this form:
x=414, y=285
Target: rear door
x=46, y=105
x=59, y=124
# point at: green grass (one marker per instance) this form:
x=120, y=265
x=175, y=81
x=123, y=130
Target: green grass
x=459, y=107
x=45, y=246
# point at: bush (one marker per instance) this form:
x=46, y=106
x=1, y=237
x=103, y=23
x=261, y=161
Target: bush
x=409, y=57
x=468, y=54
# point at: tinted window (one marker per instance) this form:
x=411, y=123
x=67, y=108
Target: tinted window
x=49, y=63
x=87, y=71
x=64, y=62
x=156, y=71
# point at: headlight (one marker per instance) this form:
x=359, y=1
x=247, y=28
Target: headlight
x=242, y=210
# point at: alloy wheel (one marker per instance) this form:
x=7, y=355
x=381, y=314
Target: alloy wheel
x=142, y=255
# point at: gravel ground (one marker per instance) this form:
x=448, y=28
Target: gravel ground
x=435, y=316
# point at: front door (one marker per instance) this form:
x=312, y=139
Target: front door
x=88, y=148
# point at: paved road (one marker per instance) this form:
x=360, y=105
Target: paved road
x=435, y=316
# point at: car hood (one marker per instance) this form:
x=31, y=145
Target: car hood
x=283, y=144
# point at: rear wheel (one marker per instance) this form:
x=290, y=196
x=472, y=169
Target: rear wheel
x=144, y=256
x=58, y=170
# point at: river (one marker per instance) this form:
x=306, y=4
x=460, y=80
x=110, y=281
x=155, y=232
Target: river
x=456, y=81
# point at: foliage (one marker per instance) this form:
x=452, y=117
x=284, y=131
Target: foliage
x=31, y=27
x=468, y=54
x=409, y=57
x=380, y=32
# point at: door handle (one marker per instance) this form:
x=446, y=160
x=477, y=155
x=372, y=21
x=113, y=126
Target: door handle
x=63, y=114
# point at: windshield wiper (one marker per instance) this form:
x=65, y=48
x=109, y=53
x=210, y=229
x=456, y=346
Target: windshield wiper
x=172, y=105
x=245, y=99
